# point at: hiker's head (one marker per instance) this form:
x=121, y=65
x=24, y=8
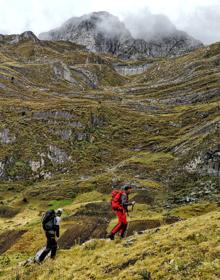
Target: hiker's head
x=59, y=212
x=128, y=189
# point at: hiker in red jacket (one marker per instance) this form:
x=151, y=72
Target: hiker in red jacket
x=120, y=203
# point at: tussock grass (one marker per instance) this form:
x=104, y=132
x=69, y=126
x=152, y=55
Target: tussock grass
x=187, y=249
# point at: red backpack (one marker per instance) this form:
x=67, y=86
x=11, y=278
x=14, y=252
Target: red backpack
x=116, y=199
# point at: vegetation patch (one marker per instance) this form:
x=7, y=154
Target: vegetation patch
x=54, y=204
x=8, y=212
x=145, y=197
x=9, y=238
x=139, y=226
x=100, y=209
x=81, y=230
x=194, y=209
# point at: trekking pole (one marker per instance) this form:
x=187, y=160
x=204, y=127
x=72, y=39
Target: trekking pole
x=132, y=208
x=127, y=229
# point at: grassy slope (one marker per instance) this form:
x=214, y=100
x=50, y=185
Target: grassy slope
x=186, y=250
x=144, y=139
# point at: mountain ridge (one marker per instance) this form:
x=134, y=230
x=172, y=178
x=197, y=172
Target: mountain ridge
x=105, y=33
x=72, y=128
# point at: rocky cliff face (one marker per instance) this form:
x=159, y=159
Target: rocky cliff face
x=103, y=32
x=16, y=38
x=127, y=70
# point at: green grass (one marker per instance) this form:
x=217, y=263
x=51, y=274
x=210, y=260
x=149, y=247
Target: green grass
x=90, y=197
x=54, y=204
x=150, y=158
x=195, y=209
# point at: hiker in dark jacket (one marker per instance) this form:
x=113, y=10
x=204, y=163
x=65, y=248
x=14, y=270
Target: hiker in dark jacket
x=120, y=203
x=51, y=233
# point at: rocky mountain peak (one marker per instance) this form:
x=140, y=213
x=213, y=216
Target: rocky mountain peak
x=98, y=31
x=16, y=38
x=105, y=33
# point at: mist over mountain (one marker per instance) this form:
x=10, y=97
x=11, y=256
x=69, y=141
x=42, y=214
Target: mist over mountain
x=145, y=36
x=144, y=25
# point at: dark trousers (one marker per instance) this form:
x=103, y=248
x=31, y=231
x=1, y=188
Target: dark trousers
x=51, y=246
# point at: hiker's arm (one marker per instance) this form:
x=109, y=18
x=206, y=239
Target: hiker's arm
x=123, y=201
x=57, y=230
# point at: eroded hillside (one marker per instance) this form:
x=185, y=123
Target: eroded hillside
x=71, y=128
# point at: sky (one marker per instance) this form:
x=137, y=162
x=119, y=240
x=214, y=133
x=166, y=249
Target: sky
x=199, y=18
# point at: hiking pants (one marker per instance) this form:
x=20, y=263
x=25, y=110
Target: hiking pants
x=51, y=246
x=122, y=223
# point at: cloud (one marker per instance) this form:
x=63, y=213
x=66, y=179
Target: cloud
x=204, y=23
x=145, y=25
x=110, y=25
x=199, y=18
x=37, y=15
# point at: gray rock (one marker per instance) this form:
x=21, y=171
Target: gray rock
x=61, y=71
x=97, y=120
x=212, y=163
x=206, y=163
x=87, y=76
x=2, y=86
x=127, y=70
x=93, y=31
x=16, y=38
x=174, y=124
x=5, y=138
x=34, y=165
x=2, y=168
x=65, y=134
x=82, y=136
x=57, y=156
x=105, y=33
x=184, y=98
x=75, y=124
x=52, y=115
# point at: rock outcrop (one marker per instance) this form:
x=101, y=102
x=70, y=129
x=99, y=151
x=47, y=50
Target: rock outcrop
x=5, y=137
x=207, y=163
x=14, y=39
x=127, y=70
x=105, y=33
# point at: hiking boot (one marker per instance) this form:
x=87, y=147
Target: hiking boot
x=111, y=236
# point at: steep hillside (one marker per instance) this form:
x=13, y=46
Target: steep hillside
x=185, y=250
x=72, y=127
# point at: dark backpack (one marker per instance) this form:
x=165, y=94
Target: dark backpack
x=48, y=220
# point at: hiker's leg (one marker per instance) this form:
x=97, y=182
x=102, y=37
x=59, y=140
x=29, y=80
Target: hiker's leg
x=44, y=254
x=53, y=247
x=124, y=227
x=47, y=249
x=119, y=226
x=122, y=232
